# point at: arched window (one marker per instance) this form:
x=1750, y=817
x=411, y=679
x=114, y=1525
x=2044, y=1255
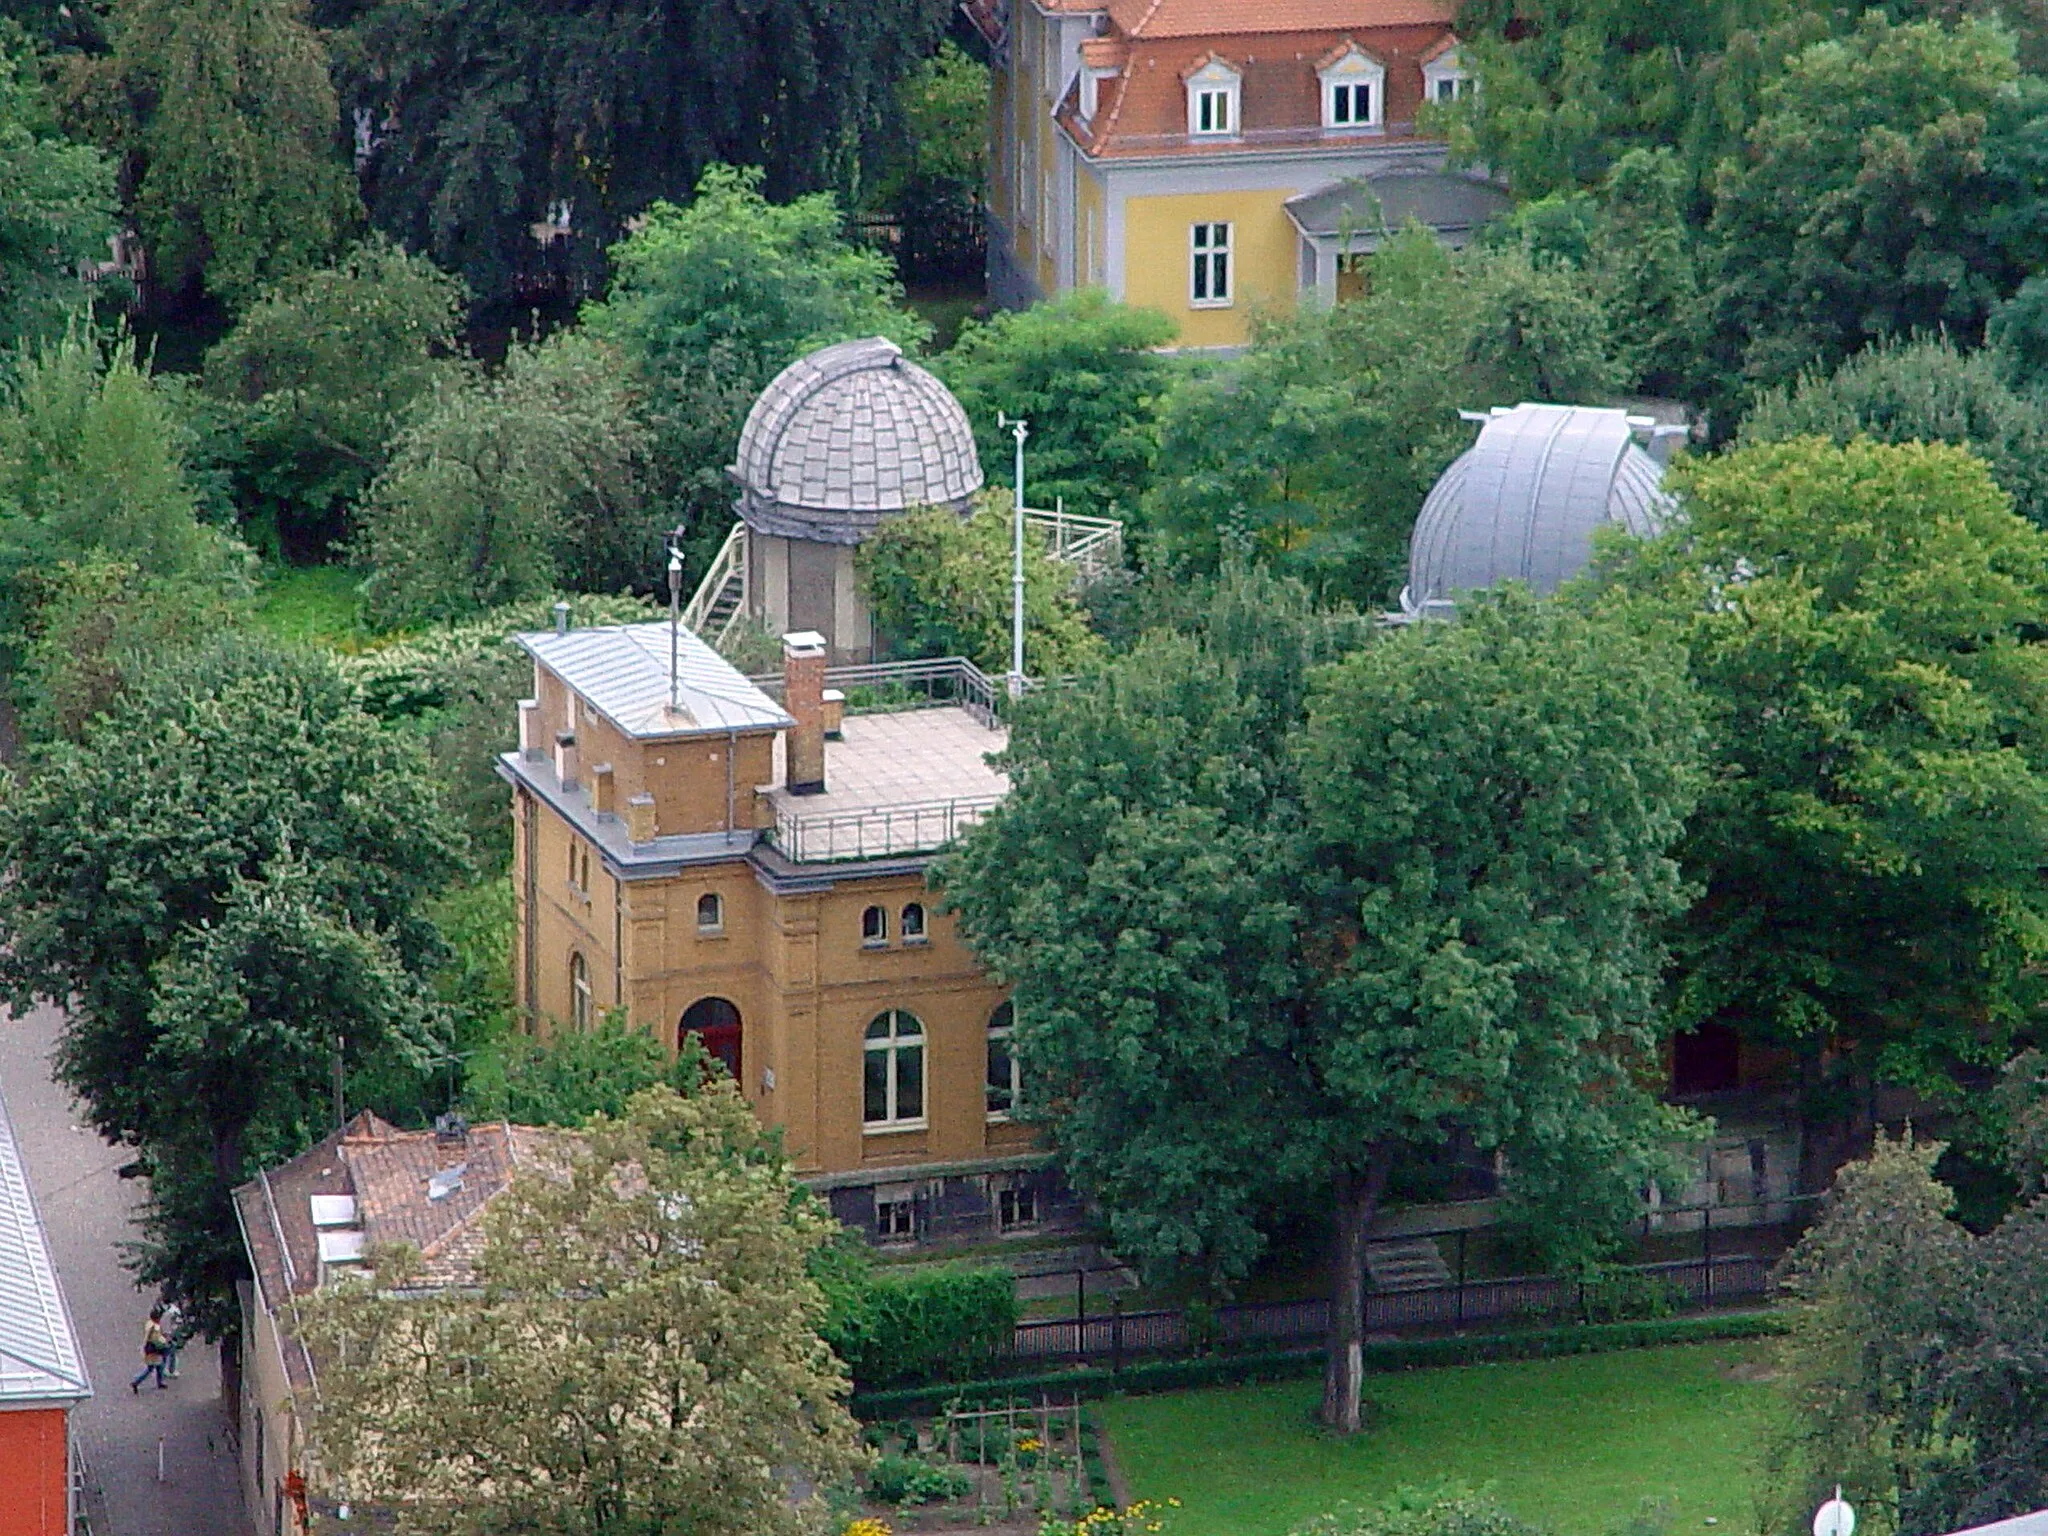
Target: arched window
x=710, y=913
x=874, y=926
x=912, y=928
x=717, y=1023
x=579, y=992
x=893, y=1079
x=1003, y=1080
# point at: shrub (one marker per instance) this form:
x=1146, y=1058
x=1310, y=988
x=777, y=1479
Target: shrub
x=894, y=1329
x=1441, y=1511
x=912, y=1480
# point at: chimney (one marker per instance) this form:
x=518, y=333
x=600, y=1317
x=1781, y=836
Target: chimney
x=603, y=792
x=567, y=769
x=640, y=819
x=803, y=695
x=561, y=618
x=835, y=714
x=531, y=747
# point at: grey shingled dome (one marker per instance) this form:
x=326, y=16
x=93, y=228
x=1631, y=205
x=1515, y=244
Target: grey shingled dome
x=1522, y=502
x=847, y=436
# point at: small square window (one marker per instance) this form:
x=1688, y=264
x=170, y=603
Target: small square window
x=895, y=1220
x=1212, y=111
x=1016, y=1207
x=1351, y=105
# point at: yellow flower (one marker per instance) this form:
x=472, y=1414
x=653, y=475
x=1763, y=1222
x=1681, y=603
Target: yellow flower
x=867, y=1525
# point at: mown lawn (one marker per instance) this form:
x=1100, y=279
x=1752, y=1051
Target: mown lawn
x=1574, y=1445
x=314, y=604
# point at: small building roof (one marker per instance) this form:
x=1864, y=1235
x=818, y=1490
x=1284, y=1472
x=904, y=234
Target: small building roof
x=2035, y=1524
x=1522, y=503
x=1451, y=203
x=1222, y=18
x=622, y=672
x=846, y=436
x=39, y=1356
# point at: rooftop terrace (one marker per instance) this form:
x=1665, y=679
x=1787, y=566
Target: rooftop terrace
x=897, y=782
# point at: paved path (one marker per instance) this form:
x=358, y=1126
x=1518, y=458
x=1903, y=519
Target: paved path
x=87, y=1209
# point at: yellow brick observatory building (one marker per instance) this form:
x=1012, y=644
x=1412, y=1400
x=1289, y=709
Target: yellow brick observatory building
x=744, y=860
x=1209, y=157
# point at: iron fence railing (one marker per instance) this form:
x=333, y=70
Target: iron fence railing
x=942, y=682
x=878, y=832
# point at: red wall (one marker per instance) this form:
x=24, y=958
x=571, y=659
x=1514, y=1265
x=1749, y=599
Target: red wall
x=32, y=1472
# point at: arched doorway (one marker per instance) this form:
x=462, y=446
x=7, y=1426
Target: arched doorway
x=717, y=1023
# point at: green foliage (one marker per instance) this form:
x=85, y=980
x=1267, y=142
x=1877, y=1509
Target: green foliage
x=90, y=463
x=894, y=1327
x=1863, y=624
x=661, y=1256
x=311, y=605
x=572, y=1075
x=712, y=300
x=233, y=155
x=1613, y=1294
x=934, y=175
x=897, y=1479
x=1084, y=371
x=56, y=207
x=506, y=109
x=1272, y=931
x=223, y=883
x=1920, y=391
x=1887, y=187
x=938, y=584
x=1314, y=450
x=316, y=378
x=505, y=488
x=1441, y=1511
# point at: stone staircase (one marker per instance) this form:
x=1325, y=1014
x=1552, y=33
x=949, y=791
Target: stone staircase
x=1405, y=1264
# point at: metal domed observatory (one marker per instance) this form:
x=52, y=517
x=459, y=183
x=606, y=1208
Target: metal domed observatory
x=1522, y=503
x=840, y=441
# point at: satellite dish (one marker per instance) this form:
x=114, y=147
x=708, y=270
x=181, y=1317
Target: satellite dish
x=1835, y=1518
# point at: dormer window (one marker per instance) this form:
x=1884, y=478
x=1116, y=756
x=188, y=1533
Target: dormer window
x=1354, y=89
x=1213, y=99
x=1445, y=79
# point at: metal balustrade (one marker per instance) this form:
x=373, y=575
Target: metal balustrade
x=878, y=832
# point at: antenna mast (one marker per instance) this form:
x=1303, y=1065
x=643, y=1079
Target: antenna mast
x=1018, y=430
x=675, y=619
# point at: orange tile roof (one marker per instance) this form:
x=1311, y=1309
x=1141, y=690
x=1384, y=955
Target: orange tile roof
x=1224, y=18
x=1105, y=52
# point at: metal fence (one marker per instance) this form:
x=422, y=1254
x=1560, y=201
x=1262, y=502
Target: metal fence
x=879, y=832
x=943, y=682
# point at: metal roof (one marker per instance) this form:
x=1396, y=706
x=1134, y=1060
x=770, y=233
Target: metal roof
x=622, y=672
x=2035, y=1524
x=847, y=435
x=1522, y=502
x=39, y=1359
x=1448, y=202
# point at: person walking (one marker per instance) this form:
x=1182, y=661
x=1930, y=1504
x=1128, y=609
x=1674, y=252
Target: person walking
x=155, y=1346
x=173, y=1325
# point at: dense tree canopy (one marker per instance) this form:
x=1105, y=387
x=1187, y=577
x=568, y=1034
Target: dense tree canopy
x=688, y=1393
x=56, y=207
x=222, y=882
x=1277, y=931
x=479, y=117
x=1864, y=624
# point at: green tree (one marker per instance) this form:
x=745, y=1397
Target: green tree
x=1888, y=186
x=222, y=882
x=57, y=207
x=935, y=174
x=1086, y=373
x=938, y=584
x=1863, y=622
x=318, y=376
x=574, y=1075
x=689, y=1392
x=483, y=115
x=505, y=488
x=1920, y=391
x=1278, y=932
x=1315, y=449
x=712, y=300
x=233, y=157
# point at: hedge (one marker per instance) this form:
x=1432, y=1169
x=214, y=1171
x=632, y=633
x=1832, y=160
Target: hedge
x=1286, y=1364
x=897, y=1327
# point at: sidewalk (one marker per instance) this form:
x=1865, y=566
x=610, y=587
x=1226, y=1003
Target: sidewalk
x=86, y=1208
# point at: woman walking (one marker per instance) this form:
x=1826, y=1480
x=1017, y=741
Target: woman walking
x=155, y=1347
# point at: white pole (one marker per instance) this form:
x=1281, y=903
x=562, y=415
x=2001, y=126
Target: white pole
x=1019, y=430
x=675, y=625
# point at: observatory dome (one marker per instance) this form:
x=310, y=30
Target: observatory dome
x=847, y=436
x=1521, y=503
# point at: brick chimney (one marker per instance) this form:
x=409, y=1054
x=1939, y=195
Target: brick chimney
x=803, y=695
x=568, y=771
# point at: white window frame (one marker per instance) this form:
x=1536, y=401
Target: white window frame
x=1019, y=1196
x=880, y=938
x=1003, y=1033
x=1204, y=250
x=913, y=923
x=1356, y=68
x=1447, y=69
x=717, y=923
x=1216, y=90
x=903, y=1035
x=582, y=997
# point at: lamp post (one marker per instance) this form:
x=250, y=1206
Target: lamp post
x=1019, y=430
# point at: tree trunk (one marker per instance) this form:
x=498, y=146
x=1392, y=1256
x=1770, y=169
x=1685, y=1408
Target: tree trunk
x=1357, y=1203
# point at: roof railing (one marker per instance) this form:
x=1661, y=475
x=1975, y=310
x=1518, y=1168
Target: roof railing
x=943, y=682
x=877, y=832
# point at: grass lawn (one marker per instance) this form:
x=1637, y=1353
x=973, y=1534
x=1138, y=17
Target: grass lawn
x=315, y=604
x=1573, y=1445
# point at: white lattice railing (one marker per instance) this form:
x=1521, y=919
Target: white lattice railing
x=721, y=597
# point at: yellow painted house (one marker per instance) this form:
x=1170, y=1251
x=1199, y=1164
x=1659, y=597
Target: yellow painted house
x=1209, y=157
